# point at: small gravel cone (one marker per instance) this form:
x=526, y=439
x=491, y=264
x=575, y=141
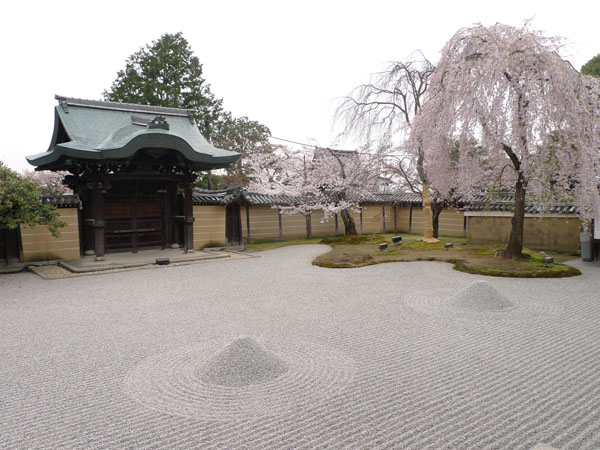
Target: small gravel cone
x=480, y=296
x=243, y=363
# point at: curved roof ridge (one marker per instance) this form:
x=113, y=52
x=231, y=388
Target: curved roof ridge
x=107, y=131
x=130, y=107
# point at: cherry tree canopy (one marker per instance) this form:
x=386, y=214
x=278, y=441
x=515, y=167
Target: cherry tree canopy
x=48, y=183
x=320, y=179
x=504, y=110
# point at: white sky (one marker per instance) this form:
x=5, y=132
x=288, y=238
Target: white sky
x=279, y=62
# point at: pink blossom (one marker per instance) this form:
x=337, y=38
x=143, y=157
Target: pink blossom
x=319, y=179
x=501, y=90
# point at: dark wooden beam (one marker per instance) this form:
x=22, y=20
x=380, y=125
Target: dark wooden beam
x=280, y=225
x=98, y=188
x=134, y=213
x=188, y=224
x=361, y=220
x=247, y=224
x=168, y=203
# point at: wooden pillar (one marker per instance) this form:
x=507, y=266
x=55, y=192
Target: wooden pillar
x=410, y=219
x=247, y=224
x=383, y=215
x=81, y=229
x=176, y=217
x=188, y=221
x=337, y=225
x=134, y=213
x=168, y=199
x=280, y=226
x=98, y=189
x=87, y=234
x=361, y=220
x=395, y=217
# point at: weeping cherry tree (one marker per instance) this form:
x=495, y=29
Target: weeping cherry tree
x=505, y=111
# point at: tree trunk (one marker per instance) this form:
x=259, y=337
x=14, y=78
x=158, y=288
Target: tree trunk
x=515, y=243
x=427, y=216
x=349, y=225
x=436, y=208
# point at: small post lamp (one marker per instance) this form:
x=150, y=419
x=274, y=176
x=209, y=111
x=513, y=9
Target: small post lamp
x=548, y=260
x=448, y=245
x=383, y=247
x=397, y=239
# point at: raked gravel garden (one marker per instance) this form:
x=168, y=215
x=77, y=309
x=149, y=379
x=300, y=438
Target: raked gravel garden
x=275, y=352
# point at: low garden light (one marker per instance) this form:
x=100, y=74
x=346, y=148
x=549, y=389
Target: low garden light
x=383, y=247
x=397, y=239
x=162, y=261
x=448, y=245
x=548, y=260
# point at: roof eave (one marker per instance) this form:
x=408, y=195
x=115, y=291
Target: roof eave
x=198, y=160
x=129, y=107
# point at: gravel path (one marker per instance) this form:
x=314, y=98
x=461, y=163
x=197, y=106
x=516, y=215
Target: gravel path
x=402, y=356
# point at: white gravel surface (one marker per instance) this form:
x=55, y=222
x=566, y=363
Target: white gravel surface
x=481, y=296
x=242, y=363
x=273, y=352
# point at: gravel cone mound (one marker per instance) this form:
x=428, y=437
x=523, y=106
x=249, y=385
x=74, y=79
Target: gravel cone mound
x=480, y=296
x=244, y=362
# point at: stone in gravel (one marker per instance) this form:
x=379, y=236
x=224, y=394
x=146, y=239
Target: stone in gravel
x=244, y=362
x=480, y=296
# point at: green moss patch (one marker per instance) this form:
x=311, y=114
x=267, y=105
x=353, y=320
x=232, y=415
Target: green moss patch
x=348, y=260
x=349, y=252
x=554, y=271
x=355, y=239
x=480, y=259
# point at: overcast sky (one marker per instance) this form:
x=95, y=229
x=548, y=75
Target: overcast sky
x=279, y=62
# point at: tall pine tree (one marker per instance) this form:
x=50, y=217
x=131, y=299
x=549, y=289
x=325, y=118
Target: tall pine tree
x=167, y=73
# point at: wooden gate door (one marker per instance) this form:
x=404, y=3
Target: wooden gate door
x=10, y=246
x=133, y=222
x=233, y=224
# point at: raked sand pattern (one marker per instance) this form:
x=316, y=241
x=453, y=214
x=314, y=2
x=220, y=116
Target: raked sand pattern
x=274, y=353
x=480, y=301
x=238, y=378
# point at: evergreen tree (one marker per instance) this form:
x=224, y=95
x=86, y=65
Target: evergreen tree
x=592, y=67
x=166, y=73
x=21, y=204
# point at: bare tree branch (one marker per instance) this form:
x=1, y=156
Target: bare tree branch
x=384, y=108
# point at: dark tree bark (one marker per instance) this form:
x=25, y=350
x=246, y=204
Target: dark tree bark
x=515, y=243
x=349, y=224
x=436, y=208
x=308, y=227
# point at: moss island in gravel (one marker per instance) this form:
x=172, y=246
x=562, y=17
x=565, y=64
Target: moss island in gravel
x=363, y=250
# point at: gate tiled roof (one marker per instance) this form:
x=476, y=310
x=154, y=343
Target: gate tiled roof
x=98, y=131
